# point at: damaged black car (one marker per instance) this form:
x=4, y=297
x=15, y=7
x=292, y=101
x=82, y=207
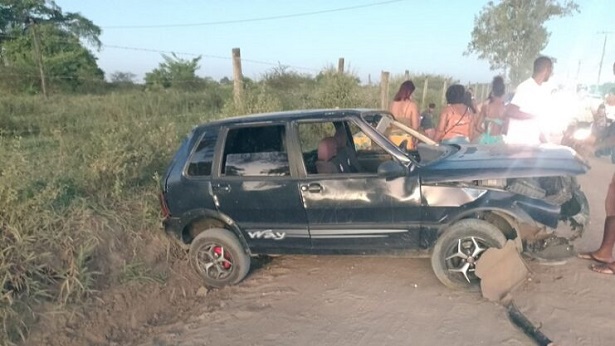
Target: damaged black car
x=358, y=182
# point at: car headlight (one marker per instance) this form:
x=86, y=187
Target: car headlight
x=582, y=134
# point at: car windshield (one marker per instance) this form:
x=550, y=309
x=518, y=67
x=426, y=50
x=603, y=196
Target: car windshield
x=414, y=144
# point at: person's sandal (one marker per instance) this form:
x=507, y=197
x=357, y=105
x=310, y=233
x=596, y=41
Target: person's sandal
x=602, y=269
x=590, y=257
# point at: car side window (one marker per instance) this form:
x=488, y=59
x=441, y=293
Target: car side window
x=368, y=153
x=201, y=160
x=255, y=151
x=310, y=135
x=332, y=148
x=362, y=143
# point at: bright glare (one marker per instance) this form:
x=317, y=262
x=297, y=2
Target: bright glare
x=568, y=106
x=582, y=134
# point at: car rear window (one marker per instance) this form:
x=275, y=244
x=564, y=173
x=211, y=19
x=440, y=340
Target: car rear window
x=203, y=156
x=273, y=163
x=256, y=151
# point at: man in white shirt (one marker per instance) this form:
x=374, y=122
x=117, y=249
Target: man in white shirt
x=530, y=103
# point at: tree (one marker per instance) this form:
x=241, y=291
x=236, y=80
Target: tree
x=336, y=90
x=511, y=33
x=68, y=66
x=37, y=36
x=119, y=77
x=174, y=72
x=19, y=15
x=290, y=87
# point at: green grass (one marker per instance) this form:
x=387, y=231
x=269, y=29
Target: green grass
x=137, y=271
x=79, y=182
x=76, y=172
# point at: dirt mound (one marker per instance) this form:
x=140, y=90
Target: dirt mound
x=154, y=292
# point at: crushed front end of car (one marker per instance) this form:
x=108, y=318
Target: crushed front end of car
x=534, y=187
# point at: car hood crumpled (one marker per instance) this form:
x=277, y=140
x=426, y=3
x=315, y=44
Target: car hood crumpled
x=473, y=162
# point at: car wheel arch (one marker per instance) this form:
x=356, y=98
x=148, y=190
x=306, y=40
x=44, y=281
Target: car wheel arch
x=507, y=222
x=199, y=220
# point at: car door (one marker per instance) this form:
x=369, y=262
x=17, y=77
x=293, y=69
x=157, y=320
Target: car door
x=355, y=211
x=255, y=188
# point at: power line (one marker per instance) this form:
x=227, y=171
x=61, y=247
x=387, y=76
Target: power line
x=151, y=50
x=262, y=62
x=260, y=19
x=161, y=51
x=208, y=56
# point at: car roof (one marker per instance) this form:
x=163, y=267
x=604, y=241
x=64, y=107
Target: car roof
x=291, y=115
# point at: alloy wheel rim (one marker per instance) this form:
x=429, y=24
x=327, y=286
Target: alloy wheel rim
x=215, y=261
x=463, y=256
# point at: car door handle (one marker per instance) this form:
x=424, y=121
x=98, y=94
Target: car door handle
x=314, y=187
x=221, y=188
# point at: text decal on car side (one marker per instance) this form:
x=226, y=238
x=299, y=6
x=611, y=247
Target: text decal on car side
x=267, y=234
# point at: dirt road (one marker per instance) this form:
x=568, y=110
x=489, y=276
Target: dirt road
x=391, y=301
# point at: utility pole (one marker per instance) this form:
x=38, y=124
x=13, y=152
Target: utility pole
x=237, y=77
x=39, y=57
x=340, y=66
x=606, y=34
x=384, y=90
x=425, y=87
x=578, y=72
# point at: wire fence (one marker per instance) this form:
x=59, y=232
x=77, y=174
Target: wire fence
x=427, y=94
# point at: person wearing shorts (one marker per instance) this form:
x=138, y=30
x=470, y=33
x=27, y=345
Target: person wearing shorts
x=604, y=254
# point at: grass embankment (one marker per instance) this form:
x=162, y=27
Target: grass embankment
x=79, y=181
x=77, y=173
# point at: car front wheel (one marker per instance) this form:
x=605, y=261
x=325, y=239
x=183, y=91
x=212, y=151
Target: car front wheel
x=219, y=258
x=458, y=249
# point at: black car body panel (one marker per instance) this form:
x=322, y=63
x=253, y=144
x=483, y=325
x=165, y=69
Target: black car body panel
x=288, y=209
x=444, y=204
x=472, y=162
x=363, y=212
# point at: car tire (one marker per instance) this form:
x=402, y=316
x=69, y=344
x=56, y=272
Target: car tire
x=219, y=258
x=463, y=237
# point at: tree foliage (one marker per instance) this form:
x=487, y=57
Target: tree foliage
x=511, y=33
x=290, y=87
x=16, y=16
x=66, y=62
x=175, y=72
x=119, y=77
x=334, y=89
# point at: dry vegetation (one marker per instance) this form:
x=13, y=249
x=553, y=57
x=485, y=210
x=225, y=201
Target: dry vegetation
x=79, y=182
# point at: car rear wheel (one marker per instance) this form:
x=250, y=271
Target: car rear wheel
x=219, y=258
x=457, y=250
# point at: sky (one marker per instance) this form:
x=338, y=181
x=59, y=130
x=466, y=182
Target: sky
x=371, y=35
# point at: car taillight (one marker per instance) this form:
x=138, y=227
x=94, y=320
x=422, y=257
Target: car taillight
x=163, y=206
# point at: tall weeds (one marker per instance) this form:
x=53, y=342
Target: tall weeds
x=81, y=173
x=76, y=171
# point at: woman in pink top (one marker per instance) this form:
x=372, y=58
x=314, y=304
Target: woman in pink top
x=405, y=110
x=456, y=119
x=403, y=106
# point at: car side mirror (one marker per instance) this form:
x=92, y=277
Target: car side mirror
x=391, y=169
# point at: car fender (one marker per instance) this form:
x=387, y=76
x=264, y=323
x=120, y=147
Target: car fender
x=521, y=208
x=516, y=215
x=512, y=217
x=193, y=215
x=540, y=211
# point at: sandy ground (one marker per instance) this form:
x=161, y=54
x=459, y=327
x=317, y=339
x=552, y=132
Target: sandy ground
x=336, y=300
x=392, y=301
